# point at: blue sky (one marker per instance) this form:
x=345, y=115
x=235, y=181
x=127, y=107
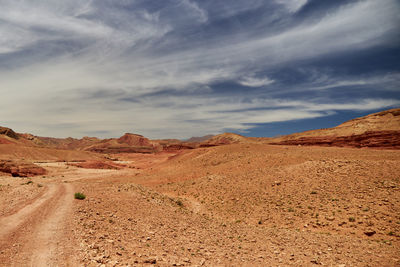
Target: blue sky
x=182, y=68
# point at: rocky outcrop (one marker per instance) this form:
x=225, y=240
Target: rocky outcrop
x=21, y=169
x=376, y=139
x=8, y=132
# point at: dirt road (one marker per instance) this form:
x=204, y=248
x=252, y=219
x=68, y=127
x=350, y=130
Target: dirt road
x=37, y=234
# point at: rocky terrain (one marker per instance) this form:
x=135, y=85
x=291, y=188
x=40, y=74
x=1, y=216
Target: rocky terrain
x=240, y=204
x=225, y=201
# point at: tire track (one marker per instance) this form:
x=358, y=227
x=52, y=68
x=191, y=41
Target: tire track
x=10, y=223
x=37, y=234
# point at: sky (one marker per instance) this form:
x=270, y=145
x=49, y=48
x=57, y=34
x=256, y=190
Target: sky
x=182, y=68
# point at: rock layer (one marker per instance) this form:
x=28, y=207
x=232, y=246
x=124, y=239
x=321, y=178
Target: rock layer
x=376, y=139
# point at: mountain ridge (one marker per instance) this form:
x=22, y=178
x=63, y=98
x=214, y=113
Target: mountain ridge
x=381, y=129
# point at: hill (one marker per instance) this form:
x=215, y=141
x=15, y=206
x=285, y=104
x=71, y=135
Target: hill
x=379, y=130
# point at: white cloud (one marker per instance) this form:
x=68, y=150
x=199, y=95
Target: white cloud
x=327, y=82
x=252, y=81
x=125, y=52
x=292, y=5
x=47, y=22
x=107, y=61
x=164, y=116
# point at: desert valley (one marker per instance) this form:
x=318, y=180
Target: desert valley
x=328, y=197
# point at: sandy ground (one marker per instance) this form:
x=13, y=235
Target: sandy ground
x=234, y=205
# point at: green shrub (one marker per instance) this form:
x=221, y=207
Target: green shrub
x=80, y=196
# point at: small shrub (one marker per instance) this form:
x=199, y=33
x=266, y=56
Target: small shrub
x=313, y=192
x=352, y=219
x=80, y=196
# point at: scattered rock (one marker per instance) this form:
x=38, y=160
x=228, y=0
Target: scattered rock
x=277, y=183
x=150, y=260
x=369, y=232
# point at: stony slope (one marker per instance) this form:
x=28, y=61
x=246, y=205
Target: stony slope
x=247, y=205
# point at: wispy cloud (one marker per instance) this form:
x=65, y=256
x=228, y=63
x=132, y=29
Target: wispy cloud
x=114, y=52
x=199, y=12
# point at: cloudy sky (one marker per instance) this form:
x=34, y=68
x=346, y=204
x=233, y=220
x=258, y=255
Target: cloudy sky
x=182, y=68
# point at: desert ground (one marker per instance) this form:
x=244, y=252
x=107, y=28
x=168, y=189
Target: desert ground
x=229, y=205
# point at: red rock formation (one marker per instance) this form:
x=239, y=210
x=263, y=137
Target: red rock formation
x=21, y=169
x=134, y=140
x=376, y=139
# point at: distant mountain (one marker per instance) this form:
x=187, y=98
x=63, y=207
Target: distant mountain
x=199, y=139
x=128, y=143
x=380, y=129
x=227, y=138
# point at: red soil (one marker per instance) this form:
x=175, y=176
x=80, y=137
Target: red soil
x=4, y=141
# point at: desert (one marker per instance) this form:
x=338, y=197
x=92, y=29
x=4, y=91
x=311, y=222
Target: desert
x=199, y=133
x=325, y=197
